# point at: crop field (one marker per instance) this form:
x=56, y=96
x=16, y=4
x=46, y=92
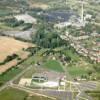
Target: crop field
x=94, y=94
x=7, y=66
x=9, y=47
x=16, y=70
x=14, y=94
x=44, y=2
x=36, y=4
x=4, y=12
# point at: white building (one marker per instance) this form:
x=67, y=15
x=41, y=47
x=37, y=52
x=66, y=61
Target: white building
x=62, y=25
x=87, y=16
x=26, y=18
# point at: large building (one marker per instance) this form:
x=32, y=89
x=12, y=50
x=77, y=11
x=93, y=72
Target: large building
x=26, y=18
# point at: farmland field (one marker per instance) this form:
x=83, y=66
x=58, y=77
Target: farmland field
x=15, y=70
x=37, y=4
x=94, y=94
x=10, y=46
x=14, y=94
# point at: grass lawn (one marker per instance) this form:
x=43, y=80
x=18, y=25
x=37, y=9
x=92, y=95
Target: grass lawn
x=9, y=74
x=54, y=65
x=14, y=94
x=76, y=71
x=29, y=73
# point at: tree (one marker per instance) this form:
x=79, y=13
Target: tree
x=47, y=37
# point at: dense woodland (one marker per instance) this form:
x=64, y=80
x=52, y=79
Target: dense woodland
x=47, y=37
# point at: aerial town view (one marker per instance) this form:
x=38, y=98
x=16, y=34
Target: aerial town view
x=50, y=50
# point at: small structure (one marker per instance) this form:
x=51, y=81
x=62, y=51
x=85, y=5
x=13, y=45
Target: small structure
x=39, y=79
x=62, y=25
x=25, y=81
x=87, y=16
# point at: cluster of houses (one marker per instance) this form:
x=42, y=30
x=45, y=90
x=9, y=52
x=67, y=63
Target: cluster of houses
x=93, y=54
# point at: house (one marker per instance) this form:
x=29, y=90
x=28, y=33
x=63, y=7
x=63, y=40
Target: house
x=87, y=16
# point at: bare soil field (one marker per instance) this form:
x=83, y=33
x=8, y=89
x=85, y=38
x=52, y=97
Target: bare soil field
x=37, y=4
x=9, y=46
x=23, y=54
x=5, y=67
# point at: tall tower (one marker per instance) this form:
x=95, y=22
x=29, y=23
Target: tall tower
x=82, y=12
x=66, y=2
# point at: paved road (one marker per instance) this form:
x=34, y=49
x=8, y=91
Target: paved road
x=30, y=90
x=53, y=94
x=62, y=95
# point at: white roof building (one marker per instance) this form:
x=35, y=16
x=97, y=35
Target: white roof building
x=26, y=18
x=62, y=24
x=87, y=16
x=25, y=81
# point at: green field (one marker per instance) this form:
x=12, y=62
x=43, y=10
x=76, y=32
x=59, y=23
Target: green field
x=9, y=75
x=54, y=65
x=16, y=70
x=76, y=71
x=4, y=12
x=94, y=94
x=14, y=94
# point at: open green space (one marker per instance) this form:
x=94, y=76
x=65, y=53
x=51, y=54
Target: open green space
x=16, y=70
x=5, y=27
x=53, y=65
x=76, y=71
x=14, y=94
x=72, y=55
x=29, y=73
x=94, y=94
x=4, y=12
x=9, y=74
